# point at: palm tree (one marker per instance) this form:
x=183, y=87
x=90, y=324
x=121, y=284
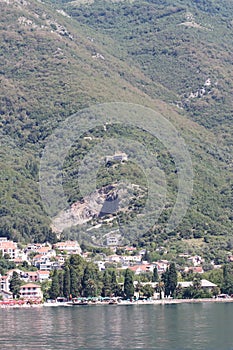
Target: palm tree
x=138, y=288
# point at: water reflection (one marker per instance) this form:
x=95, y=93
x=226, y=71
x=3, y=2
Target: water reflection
x=162, y=327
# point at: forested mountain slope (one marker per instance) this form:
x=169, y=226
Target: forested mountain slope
x=59, y=57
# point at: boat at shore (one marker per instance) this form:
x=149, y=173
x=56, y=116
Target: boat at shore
x=78, y=302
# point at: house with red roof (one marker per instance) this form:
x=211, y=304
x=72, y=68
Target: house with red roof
x=8, y=247
x=33, y=247
x=143, y=268
x=161, y=265
x=194, y=269
x=48, y=251
x=31, y=291
x=129, y=250
x=43, y=275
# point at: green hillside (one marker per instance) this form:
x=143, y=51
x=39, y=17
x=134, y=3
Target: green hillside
x=178, y=44
x=152, y=53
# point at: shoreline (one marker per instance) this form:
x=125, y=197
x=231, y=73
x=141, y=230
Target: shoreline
x=146, y=302
x=122, y=303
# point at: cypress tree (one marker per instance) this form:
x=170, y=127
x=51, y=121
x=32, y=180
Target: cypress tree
x=155, y=276
x=76, y=264
x=172, y=277
x=228, y=278
x=170, y=280
x=55, y=289
x=114, y=284
x=165, y=280
x=89, y=281
x=66, y=282
x=60, y=282
x=106, y=290
x=15, y=284
x=75, y=288
x=128, y=284
x=146, y=256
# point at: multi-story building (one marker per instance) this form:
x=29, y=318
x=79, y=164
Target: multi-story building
x=70, y=247
x=31, y=291
x=8, y=247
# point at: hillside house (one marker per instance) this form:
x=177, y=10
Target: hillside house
x=43, y=275
x=5, y=283
x=161, y=265
x=112, y=241
x=68, y=247
x=117, y=157
x=194, y=269
x=8, y=247
x=31, y=291
x=143, y=268
x=46, y=251
x=205, y=284
x=6, y=295
x=196, y=260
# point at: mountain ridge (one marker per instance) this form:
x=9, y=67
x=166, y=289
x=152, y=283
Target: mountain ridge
x=55, y=65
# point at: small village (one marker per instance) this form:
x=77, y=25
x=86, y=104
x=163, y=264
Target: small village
x=35, y=264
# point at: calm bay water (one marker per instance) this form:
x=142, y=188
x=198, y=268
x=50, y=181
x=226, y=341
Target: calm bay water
x=205, y=326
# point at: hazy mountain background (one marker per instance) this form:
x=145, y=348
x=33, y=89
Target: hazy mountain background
x=58, y=57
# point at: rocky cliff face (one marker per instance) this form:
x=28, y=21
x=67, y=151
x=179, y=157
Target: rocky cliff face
x=105, y=201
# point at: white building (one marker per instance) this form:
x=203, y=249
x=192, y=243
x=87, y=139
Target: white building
x=31, y=291
x=205, y=284
x=8, y=247
x=70, y=247
x=117, y=157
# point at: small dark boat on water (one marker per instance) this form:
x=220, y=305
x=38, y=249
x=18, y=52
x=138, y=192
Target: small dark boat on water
x=79, y=302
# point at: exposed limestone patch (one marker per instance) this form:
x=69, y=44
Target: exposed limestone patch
x=205, y=89
x=27, y=22
x=91, y=206
x=63, y=13
x=190, y=22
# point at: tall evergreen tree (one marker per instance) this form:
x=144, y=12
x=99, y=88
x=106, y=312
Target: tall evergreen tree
x=60, y=282
x=15, y=284
x=146, y=256
x=114, y=284
x=55, y=288
x=75, y=283
x=172, y=278
x=169, y=278
x=165, y=280
x=107, y=285
x=128, y=284
x=228, y=278
x=90, y=281
x=155, y=276
x=90, y=288
x=76, y=261
x=76, y=265
x=66, y=282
